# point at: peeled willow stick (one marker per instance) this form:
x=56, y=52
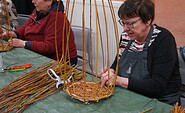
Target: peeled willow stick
x=116, y=38
x=101, y=37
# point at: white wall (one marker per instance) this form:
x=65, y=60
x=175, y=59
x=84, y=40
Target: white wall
x=77, y=20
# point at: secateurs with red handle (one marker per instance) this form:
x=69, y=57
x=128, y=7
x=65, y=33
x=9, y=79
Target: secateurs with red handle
x=15, y=68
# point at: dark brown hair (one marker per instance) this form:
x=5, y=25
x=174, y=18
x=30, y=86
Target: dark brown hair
x=145, y=9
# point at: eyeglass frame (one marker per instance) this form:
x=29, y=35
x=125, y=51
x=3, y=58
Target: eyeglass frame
x=128, y=24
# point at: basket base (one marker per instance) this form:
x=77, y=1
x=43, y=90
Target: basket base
x=88, y=91
x=5, y=47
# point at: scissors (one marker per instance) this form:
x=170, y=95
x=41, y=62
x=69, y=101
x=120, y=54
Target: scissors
x=16, y=68
x=55, y=77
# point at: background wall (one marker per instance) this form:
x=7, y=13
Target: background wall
x=171, y=15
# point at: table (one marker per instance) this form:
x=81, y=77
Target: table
x=123, y=101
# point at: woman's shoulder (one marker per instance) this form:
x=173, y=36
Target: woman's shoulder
x=162, y=36
x=54, y=12
x=161, y=30
x=58, y=14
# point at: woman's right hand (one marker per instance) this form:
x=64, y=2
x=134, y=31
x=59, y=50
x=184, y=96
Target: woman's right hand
x=1, y=31
x=107, y=76
x=6, y=34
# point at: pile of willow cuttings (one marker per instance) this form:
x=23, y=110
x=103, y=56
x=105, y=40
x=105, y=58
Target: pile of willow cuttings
x=32, y=86
x=177, y=109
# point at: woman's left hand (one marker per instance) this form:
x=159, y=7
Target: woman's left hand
x=107, y=77
x=16, y=42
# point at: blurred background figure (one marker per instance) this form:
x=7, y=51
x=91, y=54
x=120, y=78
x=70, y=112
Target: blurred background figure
x=5, y=18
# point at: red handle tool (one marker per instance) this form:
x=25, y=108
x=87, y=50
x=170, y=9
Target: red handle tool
x=22, y=66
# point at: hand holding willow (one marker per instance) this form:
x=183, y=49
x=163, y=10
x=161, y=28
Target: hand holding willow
x=107, y=76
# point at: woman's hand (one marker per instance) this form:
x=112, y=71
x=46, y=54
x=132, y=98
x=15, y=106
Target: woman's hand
x=16, y=42
x=1, y=31
x=107, y=77
x=6, y=34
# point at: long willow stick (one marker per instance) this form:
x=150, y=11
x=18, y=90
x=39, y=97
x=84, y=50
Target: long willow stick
x=84, y=42
x=56, y=21
x=116, y=36
x=68, y=27
x=107, y=37
x=101, y=39
x=90, y=46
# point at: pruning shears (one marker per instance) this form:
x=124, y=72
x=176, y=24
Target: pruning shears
x=57, y=78
x=16, y=68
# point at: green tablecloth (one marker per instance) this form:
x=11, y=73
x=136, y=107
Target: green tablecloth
x=123, y=101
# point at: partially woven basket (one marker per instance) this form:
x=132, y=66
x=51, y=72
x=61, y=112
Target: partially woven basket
x=88, y=91
x=5, y=47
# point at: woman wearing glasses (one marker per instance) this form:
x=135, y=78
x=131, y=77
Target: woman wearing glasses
x=148, y=60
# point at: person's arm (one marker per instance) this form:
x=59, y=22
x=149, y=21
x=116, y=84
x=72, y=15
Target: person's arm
x=47, y=46
x=17, y=42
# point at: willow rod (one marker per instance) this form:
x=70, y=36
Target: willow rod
x=69, y=28
x=56, y=20
x=107, y=38
x=101, y=41
x=116, y=36
x=83, y=41
x=90, y=47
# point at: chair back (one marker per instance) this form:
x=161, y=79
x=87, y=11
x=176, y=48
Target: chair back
x=22, y=18
x=181, y=55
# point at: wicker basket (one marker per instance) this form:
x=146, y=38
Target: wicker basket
x=88, y=91
x=5, y=47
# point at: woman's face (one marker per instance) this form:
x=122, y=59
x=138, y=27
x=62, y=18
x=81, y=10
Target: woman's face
x=135, y=28
x=42, y=5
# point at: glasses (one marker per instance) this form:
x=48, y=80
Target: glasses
x=128, y=24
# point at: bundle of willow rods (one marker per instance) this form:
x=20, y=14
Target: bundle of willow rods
x=177, y=109
x=32, y=86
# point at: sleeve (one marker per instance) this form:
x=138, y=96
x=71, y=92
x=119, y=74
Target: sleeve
x=163, y=60
x=113, y=66
x=21, y=30
x=47, y=46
